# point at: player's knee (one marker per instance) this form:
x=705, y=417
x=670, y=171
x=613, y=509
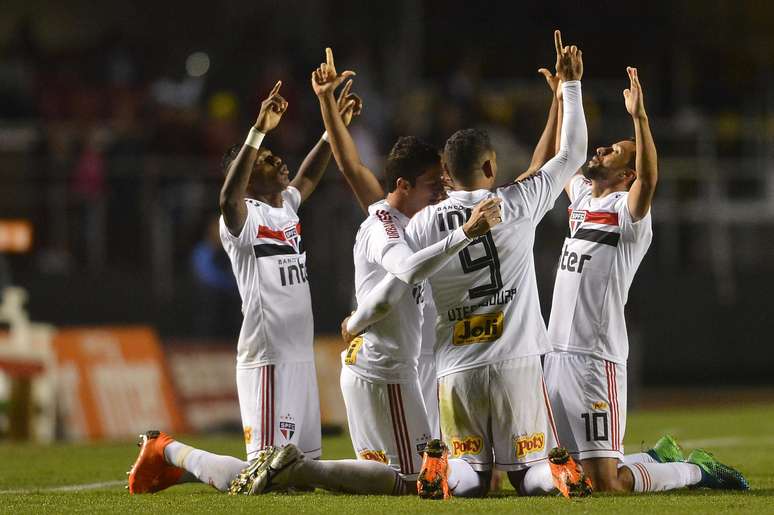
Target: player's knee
x=610, y=484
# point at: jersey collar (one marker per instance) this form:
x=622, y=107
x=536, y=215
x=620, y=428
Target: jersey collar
x=469, y=197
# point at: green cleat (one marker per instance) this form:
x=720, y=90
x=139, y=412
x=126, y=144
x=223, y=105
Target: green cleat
x=666, y=450
x=715, y=474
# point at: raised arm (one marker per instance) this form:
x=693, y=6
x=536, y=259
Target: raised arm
x=232, y=194
x=646, y=162
x=363, y=182
x=546, y=146
x=316, y=161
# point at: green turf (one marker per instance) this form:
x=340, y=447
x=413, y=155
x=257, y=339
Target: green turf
x=743, y=437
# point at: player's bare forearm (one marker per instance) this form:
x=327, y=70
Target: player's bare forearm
x=362, y=180
x=545, y=148
x=232, y=194
x=312, y=169
x=646, y=162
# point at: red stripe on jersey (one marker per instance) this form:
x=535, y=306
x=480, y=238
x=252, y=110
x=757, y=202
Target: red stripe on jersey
x=598, y=217
x=396, y=427
x=268, y=232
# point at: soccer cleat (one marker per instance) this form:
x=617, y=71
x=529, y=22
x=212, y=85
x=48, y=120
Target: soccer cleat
x=715, y=474
x=432, y=481
x=268, y=472
x=150, y=472
x=666, y=450
x=569, y=479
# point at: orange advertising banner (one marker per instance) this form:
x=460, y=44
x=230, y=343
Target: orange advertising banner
x=113, y=382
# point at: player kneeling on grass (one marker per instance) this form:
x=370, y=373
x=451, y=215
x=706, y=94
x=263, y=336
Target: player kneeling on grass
x=609, y=234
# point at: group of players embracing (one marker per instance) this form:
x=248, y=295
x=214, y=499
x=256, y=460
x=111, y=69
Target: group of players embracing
x=449, y=370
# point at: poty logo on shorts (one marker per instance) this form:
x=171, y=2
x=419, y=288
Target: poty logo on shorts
x=372, y=455
x=576, y=219
x=529, y=443
x=467, y=445
x=248, y=431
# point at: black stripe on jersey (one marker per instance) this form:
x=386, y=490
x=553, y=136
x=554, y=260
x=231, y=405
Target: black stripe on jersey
x=267, y=249
x=597, y=236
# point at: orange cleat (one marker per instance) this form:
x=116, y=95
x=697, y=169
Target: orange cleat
x=432, y=481
x=569, y=479
x=150, y=472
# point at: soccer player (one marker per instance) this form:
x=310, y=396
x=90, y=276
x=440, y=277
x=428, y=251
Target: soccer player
x=385, y=407
x=261, y=234
x=609, y=233
x=489, y=332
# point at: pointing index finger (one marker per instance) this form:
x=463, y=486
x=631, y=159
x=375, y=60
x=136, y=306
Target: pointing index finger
x=329, y=57
x=276, y=88
x=558, y=42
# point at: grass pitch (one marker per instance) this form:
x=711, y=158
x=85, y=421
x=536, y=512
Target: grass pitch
x=36, y=479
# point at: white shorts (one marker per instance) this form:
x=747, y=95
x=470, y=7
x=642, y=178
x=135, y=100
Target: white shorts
x=428, y=381
x=497, y=415
x=588, y=395
x=387, y=422
x=280, y=404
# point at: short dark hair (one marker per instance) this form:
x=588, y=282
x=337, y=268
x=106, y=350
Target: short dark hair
x=463, y=151
x=229, y=156
x=409, y=158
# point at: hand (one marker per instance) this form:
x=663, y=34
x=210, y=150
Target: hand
x=346, y=335
x=633, y=95
x=485, y=215
x=271, y=111
x=553, y=82
x=325, y=80
x=569, y=60
x=350, y=104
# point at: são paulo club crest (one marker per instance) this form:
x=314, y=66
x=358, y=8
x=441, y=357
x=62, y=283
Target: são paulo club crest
x=577, y=216
x=287, y=426
x=293, y=236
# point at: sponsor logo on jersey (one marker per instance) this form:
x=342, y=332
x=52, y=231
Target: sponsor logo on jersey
x=287, y=426
x=599, y=405
x=350, y=358
x=528, y=444
x=478, y=329
x=467, y=445
x=388, y=224
x=577, y=216
x=372, y=455
x=248, y=431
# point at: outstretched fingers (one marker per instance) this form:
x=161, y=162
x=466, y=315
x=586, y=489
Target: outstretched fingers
x=558, y=42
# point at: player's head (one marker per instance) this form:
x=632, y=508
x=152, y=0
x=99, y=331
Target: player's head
x=413, y=171
x=270, y=175
x=470, y=158
x=613, y=165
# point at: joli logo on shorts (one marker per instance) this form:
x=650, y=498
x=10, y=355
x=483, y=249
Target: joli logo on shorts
x=467, y=445
x=478, y=329
x=529, y=443
x=371, y=455
x=350, y=358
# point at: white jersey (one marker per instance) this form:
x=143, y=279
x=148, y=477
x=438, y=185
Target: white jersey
x=269, y=264
x=487, y=298
x=389, y=349
x=599, y=258
x=429, y=315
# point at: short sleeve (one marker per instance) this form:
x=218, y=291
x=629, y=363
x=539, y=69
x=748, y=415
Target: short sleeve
x=249, y=229
x=631, y=230
x=579, y=185
x=381, y=234
x=292, y=196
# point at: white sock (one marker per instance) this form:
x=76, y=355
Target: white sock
x=351, y=476
x=640, y=457
x=214, y=469
x=538, y=480
x=657, y=477
x=463, y=480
